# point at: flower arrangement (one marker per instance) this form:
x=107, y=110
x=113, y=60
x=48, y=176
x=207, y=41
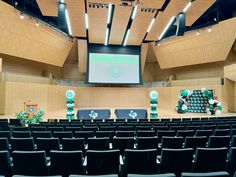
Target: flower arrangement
x=25, y=119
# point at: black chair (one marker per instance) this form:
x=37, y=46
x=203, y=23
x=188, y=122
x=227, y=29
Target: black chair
x=233, y=141
x=172, y=142
x=144, y=128
x=72, y=129
x=107, y=128
x=184, y=133
x=209, y=127
x=148, y=142
x=210, y=159
x=21, y=134
x=41, y=134
x=15, y=122
x=231, y=166
x=66, y=163
x=98, y=143
x=162, y=133
x=48, y=144
x=73, y=144
x=156, y=175
x=113, y=175
x=148, y=133
x=162, y=128
x=104, y=134
x=195, y=142
x=209, y=174
x=4, y=126
x=61, y=135
x=194, y=127
x=125, y=128
x=38, y=128
x=140, y=161
x=90, y=128
x=103, y=162
x=176, y=160
x=18, y=128
x=5, y=134
x=84, y=134
x=29, y=163
x=125, y=133
x=176, y=128
x=218, y=141
x=22, y=144
x=123, y=143
x=206, y=133
x=222, y=132
x=4, y=144
x=57, y=129
x=5, y=164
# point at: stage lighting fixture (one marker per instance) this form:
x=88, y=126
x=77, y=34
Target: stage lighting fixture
x=86, y=21
x=126, y=37
x=151, y=24
x=167, y=27
x=134, y=12
x=68, y=22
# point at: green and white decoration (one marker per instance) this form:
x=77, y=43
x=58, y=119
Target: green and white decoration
x=26, y=119
x=213, y=106
x=153, y=103
x=93, y=115
x=133, y=114
x=183, y=103
x=70, y=102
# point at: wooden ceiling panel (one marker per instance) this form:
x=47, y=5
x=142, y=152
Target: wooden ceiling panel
x=97, y=18
x=139, y=27
x=119, y=24
x=48, y=7
x=173, y=8
x=197, y=9
x=157, y=4
x=76, y=11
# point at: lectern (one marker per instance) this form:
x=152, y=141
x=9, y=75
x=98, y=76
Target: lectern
x=31, y=108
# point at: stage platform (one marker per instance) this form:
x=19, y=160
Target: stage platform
x=60, y=114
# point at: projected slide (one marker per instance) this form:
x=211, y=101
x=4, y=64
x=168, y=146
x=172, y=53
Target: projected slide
x=113, y=68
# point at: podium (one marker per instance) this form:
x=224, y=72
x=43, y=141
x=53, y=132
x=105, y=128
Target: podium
x=31, y=108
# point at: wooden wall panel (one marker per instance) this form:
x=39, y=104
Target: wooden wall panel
x=144, y=50
x=22, y=38
x=2, y=97
x=192, y=49
x=0, y=64
x=48, y=8
x=230, y=72
x=83, y=55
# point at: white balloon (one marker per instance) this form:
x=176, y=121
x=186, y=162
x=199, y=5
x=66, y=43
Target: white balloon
x=219, y=103
x=153, y=94
x=70, y=94
x=218, y=112
x=203, y=90
x=152, y=105
x=208, y=112
x=211, y=101
x=184, y=107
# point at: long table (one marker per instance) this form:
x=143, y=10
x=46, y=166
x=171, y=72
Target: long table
x=93, y=114
x=131, y=113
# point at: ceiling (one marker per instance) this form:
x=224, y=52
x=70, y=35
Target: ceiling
x=121, y=21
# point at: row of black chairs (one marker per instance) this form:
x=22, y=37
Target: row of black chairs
x=110, y=162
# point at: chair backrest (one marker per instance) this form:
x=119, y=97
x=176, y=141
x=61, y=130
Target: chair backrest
x=172, y=142
x=176, y=160
x=156, y=175
x=147, y=133
x=15, y=122
x=231, y=167
x=140, y=161
x=52, y=129
x=209, y=174
x=125, y=128
x=48, y=144
x=66, y=163
x=29, y=163
x=144, y=128
x=147, y=142
x=160, y=128
x=21, y=134
x=22, y=144
x=195, y=142
x=73, y=144
x=210, y=159
x=5, y=134
x=90, y=128
x=184, y=133
x=204, y=133
x=72, y=129
x=125, y=133
x=103, y=162
x=123, y=143
x=161, y=133
x=19, y=128
x=107, y=128
x=4, y=144
x=222, y=132
x=103, y=134
x=194, y=127
x=41, y=134
x=84, y=134
x=98, y=143
x=218, y=141
x=5, y=163
x=60, y=135
x=38, y=128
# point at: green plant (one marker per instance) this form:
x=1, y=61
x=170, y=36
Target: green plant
x=25, y=119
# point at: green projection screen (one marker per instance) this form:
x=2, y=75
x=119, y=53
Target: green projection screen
x=114, y=68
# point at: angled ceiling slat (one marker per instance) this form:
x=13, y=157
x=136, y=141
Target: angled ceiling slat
x=76, y=10
x=119, y=24
x=97, y=24
x=48, y=8
x=173, y=8
x=197, y=9
x=139, y=27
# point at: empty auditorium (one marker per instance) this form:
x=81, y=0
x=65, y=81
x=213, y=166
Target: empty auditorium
x=117, y=88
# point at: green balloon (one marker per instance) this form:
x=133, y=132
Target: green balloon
x=184, y=93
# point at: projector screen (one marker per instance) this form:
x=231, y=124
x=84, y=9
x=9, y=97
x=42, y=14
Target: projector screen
x=114, y=68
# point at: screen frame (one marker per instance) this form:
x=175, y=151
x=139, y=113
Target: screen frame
x=114, y=49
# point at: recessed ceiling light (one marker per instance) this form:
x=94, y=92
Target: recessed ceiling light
x=197, y=33
x=22, y=16
x=158, y=44
x=209, y=30
x=37, y=23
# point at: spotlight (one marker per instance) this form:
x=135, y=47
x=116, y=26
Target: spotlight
x=197, y=33
x=22, y=16
x=209, y=30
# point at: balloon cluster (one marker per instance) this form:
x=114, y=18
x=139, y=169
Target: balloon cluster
x=183, y=103
x=70, y=102
x=153, y=103
x=213, y=106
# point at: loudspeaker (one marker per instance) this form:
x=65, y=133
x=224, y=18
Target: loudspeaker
x=222, y=81
x=180, y=21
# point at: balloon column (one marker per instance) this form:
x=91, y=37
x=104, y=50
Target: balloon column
x=183, y=103
x=153, y=102
x=213, y=106
x=70, y=102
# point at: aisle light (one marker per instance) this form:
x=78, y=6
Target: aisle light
x=167, y=27
x=126, y=37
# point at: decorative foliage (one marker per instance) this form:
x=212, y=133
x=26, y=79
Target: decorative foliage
x=213, y=107
x=183, y=103
x=153, y=103
x=70, y=102
x=25, y=119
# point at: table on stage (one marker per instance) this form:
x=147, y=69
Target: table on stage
x=131, y=113
x=93, y=114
